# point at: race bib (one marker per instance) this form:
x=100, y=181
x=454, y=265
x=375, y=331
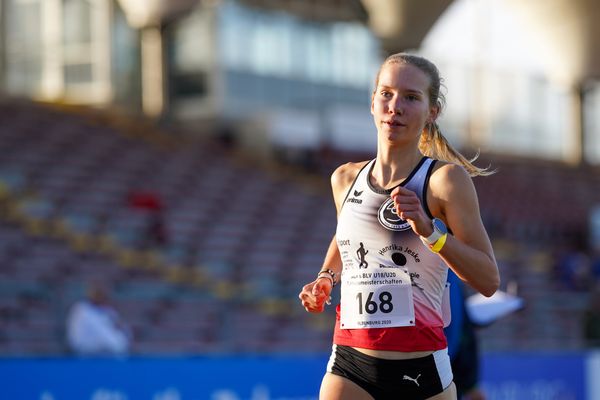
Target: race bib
x=376, y=298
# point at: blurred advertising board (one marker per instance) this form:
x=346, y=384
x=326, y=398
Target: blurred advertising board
x=505, y=376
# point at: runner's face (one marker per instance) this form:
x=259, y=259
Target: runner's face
x=400, y=104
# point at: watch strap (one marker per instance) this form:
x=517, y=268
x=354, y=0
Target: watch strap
x=431, y=239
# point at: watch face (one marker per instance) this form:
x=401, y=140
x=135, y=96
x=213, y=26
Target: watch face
x=439, y=226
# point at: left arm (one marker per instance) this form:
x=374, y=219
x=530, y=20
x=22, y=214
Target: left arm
x=452, y=198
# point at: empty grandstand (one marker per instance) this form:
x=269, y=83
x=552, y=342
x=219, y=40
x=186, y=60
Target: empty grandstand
x=181, y=152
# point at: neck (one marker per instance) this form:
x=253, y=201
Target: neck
x=394, y=165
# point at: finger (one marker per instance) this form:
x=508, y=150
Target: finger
x=307, y=296
x=401, y=190
x=397, y=190
x=313, y=307
x=309, y=305
x=304, y=292
x=407, y=205
x=409, y=216
x=408, y=199
x=321, y=297
x=314, y=310
x=306, y=289
x=316, y=289
x=407, y=211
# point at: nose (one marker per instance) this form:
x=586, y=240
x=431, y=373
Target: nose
x=395, y=106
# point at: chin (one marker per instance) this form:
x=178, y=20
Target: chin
x=392, y=136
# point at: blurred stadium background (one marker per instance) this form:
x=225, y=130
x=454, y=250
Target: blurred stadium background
x=181, y=150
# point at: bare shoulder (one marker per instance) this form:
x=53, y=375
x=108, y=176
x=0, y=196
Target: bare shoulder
x=450, y=173
x=450, y=182
x=342, y=178
x=345, y=174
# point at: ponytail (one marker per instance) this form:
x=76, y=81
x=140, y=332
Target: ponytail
x=433, y=144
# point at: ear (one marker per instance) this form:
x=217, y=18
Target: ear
x=434, y=111
x=372, y=105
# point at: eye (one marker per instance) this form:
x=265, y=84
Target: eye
x=385, y=93
x=412, y=97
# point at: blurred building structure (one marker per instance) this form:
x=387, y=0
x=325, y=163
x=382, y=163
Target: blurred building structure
x=258, y=64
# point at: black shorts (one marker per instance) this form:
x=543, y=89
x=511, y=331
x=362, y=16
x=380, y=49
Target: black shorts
x=417, y=378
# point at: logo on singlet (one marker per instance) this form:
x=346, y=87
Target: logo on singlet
x=361, y=253
x=354, y=199
x=389, y=218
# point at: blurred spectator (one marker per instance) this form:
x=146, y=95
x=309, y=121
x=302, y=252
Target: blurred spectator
x=145, y=200
x=155, y=234
x=591, y=319
x=94, y=327
x=463, y=348
x=595, y=262
x=574, y=266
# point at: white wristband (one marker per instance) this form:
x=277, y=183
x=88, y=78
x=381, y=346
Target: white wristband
x=329, y=274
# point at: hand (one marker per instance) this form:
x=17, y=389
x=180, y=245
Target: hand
x=408, y=207
x=315, y=294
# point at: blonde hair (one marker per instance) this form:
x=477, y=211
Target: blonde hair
x=433, y=143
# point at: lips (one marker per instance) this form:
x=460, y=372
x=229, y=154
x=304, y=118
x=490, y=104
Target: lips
x=393, y=123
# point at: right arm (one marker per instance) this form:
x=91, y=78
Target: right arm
x=315, y=294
